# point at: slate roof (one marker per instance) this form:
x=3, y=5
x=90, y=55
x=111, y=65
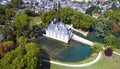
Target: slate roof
x=58, y=26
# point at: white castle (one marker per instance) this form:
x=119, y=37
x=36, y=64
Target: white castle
x=58, y=31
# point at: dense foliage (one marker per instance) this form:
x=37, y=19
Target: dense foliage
x=97, y=47
x=23, y=57
x=21, y=25
x=6, y=12
x=103, y=27
x=29, y=12
x=66, y=14
x=16, y=3
x=85, y=22
x=93, y=9
x=69, y=16
x=6, y=47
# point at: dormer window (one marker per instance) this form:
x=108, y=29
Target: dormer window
x=56, y=28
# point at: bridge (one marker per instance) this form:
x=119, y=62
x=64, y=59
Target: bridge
x=82, y=40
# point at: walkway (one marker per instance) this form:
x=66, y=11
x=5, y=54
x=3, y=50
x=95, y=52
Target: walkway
x=76, y=65
x=82, y=40
x=116, y=53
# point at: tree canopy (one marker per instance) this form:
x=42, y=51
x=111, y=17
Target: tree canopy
x=16, y=3
x=65, y=14
x=21, y=24
x=97, y=47
x=83, y=21
x=6, y=47
x=23, y=57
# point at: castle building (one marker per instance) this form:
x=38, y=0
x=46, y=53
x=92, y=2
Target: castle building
x=58, y=31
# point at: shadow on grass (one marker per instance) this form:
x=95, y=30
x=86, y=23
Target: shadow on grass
x=45, y=65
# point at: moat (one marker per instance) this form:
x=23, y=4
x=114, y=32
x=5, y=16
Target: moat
x=72, y=52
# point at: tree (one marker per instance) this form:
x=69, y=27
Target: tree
x=108, y=52
x=108, y=14
x=51, y=15
x=6, y=47
x=29, y=12
x=9, y=13
x=103, y=27
x=83, y=21
x=110, y=39
x=113, y=7
x=65, y=14
x=44, y=16
x=87, y=22
x=77, y=17
x=93, y=9
x=22, y=41
x=2, y=12
x=8, y=32
x=16, y=3
x=116, y=15
x=21, y=24
x=97, y=47
x=118, y=0
x=47, y=17
x=23, y=57
x=117, y=43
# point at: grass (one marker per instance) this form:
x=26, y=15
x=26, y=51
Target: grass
x=105, y=62
x=36, y=20
x=117, y=50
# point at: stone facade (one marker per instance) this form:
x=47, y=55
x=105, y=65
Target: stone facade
x=58, y=31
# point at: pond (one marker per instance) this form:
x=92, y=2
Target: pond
x=76, y=53
x=72, y=52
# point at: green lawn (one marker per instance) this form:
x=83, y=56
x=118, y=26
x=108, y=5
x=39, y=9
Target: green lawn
x=117, y=50
x=104, y=63
x=35, y=20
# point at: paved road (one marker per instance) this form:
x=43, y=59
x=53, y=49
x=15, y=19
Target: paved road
x=76, y=65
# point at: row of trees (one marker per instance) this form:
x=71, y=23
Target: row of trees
x=83, y=21
x=69, y=16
